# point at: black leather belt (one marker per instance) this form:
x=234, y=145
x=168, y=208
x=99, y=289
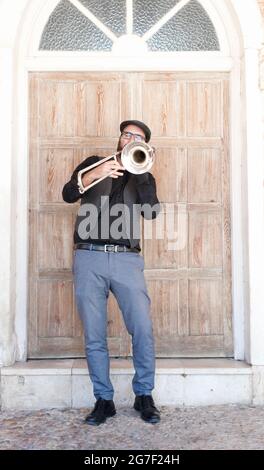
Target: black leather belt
x=105, y=248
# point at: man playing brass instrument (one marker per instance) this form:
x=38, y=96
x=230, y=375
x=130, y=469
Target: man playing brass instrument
x=107, y=259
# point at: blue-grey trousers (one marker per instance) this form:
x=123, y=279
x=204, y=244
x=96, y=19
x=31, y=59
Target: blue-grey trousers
x=95, y=274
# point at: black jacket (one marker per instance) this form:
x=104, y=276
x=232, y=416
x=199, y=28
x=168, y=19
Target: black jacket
x=139, y=190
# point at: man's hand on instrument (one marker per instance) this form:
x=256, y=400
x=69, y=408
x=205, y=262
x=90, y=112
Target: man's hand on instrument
x=103, y=170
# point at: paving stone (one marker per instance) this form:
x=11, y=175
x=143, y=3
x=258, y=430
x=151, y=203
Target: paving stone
x=211, y=427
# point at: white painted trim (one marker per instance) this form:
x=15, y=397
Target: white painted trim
x=129, y=16
x=86, y=12
x=255, y=208
x=220, y=17
x=252, y=33
x=21, y=148
x=7, y=261
x=165, y=19
x=178, y=62
x=236, y=144
x=35, y=19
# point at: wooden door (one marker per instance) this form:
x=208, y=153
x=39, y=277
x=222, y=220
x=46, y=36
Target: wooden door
x=73, y=115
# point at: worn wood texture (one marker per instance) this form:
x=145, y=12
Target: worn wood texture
x=73, y=115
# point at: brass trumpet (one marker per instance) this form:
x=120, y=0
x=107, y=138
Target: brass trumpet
x=136, y=157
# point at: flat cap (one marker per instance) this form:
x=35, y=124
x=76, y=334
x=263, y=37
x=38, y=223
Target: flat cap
x=139, y=124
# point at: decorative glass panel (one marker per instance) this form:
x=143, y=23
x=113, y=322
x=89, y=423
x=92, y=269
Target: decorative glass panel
x=111, y=13
x=189, y=30
x=146, y=13
x=69, y=30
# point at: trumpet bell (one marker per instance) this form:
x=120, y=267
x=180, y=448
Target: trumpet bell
x=137, y=157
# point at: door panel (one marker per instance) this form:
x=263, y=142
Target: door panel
x=73, y=115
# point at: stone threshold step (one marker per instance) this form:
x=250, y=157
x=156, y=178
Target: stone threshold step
x=125, y=366
x=40, y=384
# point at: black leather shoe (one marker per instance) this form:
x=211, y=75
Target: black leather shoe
x=145, y=404
x=103, y=409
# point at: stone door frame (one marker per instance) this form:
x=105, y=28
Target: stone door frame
x=241, y=43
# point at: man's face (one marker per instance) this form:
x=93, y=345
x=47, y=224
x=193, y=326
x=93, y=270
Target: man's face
x=125, y=138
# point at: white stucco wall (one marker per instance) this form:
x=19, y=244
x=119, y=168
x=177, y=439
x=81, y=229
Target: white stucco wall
x=10, y=17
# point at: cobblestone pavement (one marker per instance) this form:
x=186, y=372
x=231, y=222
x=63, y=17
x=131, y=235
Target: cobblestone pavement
x=212, y=427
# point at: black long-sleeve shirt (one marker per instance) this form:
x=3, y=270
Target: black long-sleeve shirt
x=146, y=192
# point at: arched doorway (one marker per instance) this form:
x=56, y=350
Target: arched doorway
x=73, y=115
x=50, y=64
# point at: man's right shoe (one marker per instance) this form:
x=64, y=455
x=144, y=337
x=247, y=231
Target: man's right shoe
x=103, y=409
x=148, y=411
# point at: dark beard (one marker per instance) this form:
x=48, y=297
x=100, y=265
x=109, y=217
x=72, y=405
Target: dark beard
x=119, y=148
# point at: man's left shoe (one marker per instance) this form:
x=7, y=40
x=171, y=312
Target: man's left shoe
x=103, y=409
x=145, y=404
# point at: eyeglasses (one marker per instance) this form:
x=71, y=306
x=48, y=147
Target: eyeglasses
x=129, y=135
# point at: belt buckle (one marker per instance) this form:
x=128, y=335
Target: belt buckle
x=112, y=246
